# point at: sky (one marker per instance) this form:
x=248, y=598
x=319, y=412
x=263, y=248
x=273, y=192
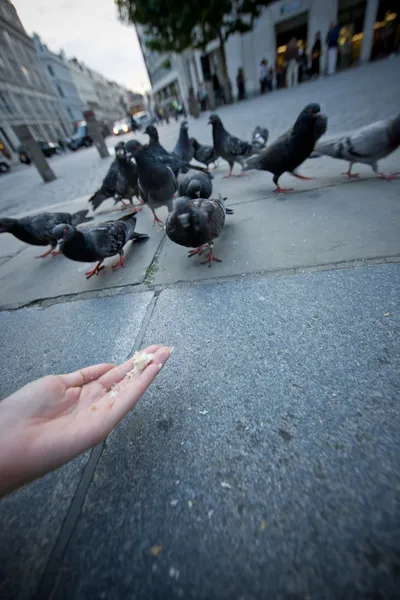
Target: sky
x=90, y=31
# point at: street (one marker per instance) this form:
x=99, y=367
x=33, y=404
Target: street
x=263, y=462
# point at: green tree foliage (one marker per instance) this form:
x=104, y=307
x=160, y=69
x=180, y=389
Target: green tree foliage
x=173, y=27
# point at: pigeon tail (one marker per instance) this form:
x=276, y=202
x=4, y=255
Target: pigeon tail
x=80, y=217
x=97, y=199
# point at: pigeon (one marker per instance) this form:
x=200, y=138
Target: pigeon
x=184, y=149
x=98, y=242
x=169, y=160
x=259, y=139
x=120, y=182
x=366, y=145
x=292, y=148
x=37, y=230
x=157, y=182
x=154, y=144
x=194, y=184
x=204, y=154
x=196, y=223
x=227, y=146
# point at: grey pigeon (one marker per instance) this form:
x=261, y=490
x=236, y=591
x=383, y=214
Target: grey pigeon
x=366, y=145
x=196, y=223
x=98, y=241
x=37, y=230
x=204, y=154
x=120, y=182
x=157, y=182
x=194, y=184
x=259, y=139
x=229, y=147
x=292, y=148
x=184, y=149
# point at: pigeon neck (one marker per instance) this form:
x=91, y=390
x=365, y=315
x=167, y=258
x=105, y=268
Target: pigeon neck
x=11, y=225
x=394, y=132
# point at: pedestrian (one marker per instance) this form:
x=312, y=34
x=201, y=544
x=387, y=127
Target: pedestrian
x=292, y=70
x=175, y=109
x=202, y=97
x=56, y=418
x=303, y=65
x=219, y=97
x=263, y=76
x=279, y=75
x=332, y=42
x=241, y=84
x=316, y=56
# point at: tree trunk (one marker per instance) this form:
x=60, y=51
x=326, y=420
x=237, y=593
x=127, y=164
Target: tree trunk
x=226, y=82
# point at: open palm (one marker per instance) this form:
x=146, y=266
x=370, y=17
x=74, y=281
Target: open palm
x=54, y=419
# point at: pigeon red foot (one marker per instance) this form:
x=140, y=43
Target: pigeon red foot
x=94, y=271
x=388, y=176
x=301, y=176
x=281, y=190
x=157, y=221
x=210, y=258
x=120, y=263
x=51, y=251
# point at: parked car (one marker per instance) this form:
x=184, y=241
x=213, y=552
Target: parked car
x=81, y=138
x=48, y=149
x=143, y=119
x=122, y=126
x=5, y=164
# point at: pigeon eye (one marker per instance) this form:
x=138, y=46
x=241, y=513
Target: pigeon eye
x=65, y=231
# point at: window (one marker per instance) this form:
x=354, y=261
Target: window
x=27, y=73
x=50, y=70
x=70, y=112
x=60, y=91
x=14, y=69
x=5, y=103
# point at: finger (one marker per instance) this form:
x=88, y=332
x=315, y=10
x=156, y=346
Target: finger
x=86, y=375
x=128, y=392
x=118, y=373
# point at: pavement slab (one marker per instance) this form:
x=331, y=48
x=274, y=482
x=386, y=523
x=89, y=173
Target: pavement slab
x=57, y=339
x=263, y=462
x=25, y=279
x=317, y=227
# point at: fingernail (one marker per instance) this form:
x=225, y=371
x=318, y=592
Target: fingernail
x=170, y=349
x=160, y=366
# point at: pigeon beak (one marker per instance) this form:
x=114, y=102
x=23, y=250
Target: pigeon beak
x=209, y=123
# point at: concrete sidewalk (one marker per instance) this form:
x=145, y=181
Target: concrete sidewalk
x=263, y=462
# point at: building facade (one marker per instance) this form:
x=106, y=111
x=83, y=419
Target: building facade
x=26, y=95
x=361, y=22
x=58, y=73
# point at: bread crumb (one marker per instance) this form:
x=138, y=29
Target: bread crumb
x=140, y=362
x=93, y=407
x=155, y=550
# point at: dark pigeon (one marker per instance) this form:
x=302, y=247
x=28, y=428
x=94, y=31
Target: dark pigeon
x=204, y=154
x=98, y=242
x=157, y=182
x=169, y=160
x=196, y=223
x=292, y=148
x=259, y=139
x=154, y=145
x=194, y=184
x=366, y=145
x=120, y=182
x=229, y=147
x=184, y=149
x=37, y=230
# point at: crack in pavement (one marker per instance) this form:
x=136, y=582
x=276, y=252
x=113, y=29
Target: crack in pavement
x=145, y=286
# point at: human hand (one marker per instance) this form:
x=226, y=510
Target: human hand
x=54, y=419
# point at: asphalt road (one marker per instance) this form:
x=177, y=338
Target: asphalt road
x=263, y=462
